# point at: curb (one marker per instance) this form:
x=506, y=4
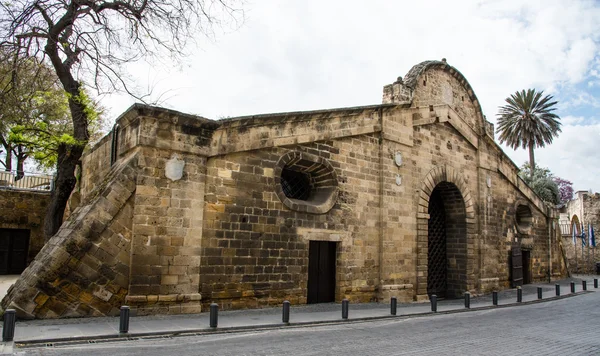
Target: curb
x=51, y=342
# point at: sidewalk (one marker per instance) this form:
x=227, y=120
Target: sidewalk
x=84, y=329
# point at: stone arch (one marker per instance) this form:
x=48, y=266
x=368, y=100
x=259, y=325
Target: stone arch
x=575, y=222
x=446, y=178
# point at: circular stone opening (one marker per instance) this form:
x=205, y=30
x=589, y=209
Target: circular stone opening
x=295, y=185
x=306, y=182
x=524, y=219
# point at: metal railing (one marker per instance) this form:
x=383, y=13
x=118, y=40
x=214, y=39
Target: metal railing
x=565, y=229
x=13, y=180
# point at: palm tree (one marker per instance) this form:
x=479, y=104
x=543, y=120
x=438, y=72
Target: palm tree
x=528, y=121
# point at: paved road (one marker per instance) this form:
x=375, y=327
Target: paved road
x=563, y=327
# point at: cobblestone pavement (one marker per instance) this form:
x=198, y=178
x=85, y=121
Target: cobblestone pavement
x=563, y=327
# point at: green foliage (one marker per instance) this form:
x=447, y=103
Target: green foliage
x=528, y=121
x=35, y=113
x=542, y=182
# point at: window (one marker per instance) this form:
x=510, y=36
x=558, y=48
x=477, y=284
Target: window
x=523, y=219
x=295, y=185
x=306, y=182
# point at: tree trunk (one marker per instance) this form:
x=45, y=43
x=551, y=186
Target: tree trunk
x=21, y=157
x=531, y=161
x=8, y=158
x=68, y=155
x=20, y=169
x=68, y=159
x=64, y=182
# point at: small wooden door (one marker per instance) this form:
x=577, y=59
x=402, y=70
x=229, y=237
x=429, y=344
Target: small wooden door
x=321, y=271
x=517, y=266
x=14, y=246
x=526, y=266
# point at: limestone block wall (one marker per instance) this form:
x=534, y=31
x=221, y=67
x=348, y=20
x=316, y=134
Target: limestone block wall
x=84, y=269
x=25, y=210
x=95, y=167
x=167, y=233
x=451, y=133
x=255, y=249
x=583, y=209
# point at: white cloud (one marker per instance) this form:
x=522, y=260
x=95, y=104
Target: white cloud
x=323, y=54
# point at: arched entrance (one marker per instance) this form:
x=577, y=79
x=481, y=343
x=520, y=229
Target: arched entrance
x=447, y=242
x=575, y=224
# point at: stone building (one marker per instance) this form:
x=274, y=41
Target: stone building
x=580, y=213
x=408, y=198
x=22, y=209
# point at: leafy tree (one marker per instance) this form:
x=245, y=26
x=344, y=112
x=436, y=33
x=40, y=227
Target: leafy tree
x=528, y=121
x=565, y=189
x=88, y=42
x=541, y=181
x=35, y=115
x=30, y=97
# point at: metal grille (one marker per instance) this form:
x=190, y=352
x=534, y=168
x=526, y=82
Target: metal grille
x=295, y=185
x=436, y=257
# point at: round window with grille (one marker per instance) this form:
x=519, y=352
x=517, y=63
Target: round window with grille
x=295, y=185
x=306, y=182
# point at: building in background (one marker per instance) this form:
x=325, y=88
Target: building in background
x=23, y=205
x=576, y=217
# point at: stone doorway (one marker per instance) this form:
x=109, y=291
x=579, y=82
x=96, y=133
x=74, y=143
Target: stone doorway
x=14, y=247
x=447, y=242
x=321, y=271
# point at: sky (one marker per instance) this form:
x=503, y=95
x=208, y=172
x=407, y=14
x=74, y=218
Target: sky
x=318, y=54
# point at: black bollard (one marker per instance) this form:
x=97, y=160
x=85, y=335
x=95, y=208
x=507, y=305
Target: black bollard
x=557, y=289
x=286, y=312
x=124, y=320
x=214, y=315
x=584, y=285
x=495, y=298
x=572, y=287
x=8, y=328
x=595, y=282
x=393, y=305
x=519, y=294
x=345, y=304
x=467, y=300
x=433, y=299
x=539, y=292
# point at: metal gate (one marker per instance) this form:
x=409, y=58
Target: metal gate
x=436, y=253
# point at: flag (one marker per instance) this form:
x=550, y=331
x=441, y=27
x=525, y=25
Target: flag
x=582, y=235
x=591, y=235
x=573, y=230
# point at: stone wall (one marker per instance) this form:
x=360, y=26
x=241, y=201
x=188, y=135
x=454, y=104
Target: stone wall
x=21, y=209
x=255, y=249
x=583, y=209
x=83, y=270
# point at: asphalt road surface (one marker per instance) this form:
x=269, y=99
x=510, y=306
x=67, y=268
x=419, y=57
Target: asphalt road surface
x=564, y=327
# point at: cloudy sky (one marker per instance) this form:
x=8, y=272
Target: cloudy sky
x=316, y=54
